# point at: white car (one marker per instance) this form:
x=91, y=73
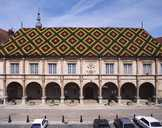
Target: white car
x=39, y=123
x=147, y=122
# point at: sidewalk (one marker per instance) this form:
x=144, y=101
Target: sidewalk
x=80, y=106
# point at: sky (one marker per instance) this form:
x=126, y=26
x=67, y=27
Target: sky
x=83, y=13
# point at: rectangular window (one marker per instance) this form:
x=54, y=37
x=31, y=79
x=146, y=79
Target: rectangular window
x=128, y=69
x=109, y=68
x=71, y=68
x=34, y=68
x=14, y=68
x=147, y=69
x=52, y=68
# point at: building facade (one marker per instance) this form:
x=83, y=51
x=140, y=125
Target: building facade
x=80, y=64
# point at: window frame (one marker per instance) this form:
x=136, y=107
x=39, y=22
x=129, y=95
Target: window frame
x=14, y=68
x=53, y=70
x=71, y=69
x=108, y=70
x=35, y=70
x=146, y=70
x=126, y=69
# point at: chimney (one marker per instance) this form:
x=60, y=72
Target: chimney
x=11, y=32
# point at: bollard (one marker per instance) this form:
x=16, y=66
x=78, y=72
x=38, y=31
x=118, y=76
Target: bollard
x=134, y=118
x=27, y=119
x=99, y=117
x=63, y=120
x=151, y=115
x=116, y=116
x=81, y=119
x=9, y=119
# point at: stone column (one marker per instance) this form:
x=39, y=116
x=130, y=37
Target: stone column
x=100, y=82
x=43, y=95
x=137, y=80
x=62, y=94
x=4, y=92
x=24, y=78
x=118, y=81
x=43, y=82
x=81, y=81
x=24, y=94
x=156, y=93
x=81, y=95
x=156, y=81
x=62, y=81
x=4, y=82
x=100, y=94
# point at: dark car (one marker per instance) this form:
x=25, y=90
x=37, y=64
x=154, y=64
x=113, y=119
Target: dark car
x=124, y=122
x=101, y=123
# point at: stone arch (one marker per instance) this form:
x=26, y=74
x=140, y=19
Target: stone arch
x=109, y=91
x=71, y=91
x=128, y=91
x=34, y=91
x=14, y=91
x=146, y=90
x=53, y=91
x=90, y=91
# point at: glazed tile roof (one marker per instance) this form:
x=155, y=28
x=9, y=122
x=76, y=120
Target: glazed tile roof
x=81, y=42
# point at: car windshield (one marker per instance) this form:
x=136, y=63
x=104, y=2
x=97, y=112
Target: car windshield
x=129, y=126
x=156, y=124
x=36, y=126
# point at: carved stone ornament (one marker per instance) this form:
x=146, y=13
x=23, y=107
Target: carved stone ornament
x=91, y=68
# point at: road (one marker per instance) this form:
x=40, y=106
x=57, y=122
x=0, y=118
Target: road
x=72, y=114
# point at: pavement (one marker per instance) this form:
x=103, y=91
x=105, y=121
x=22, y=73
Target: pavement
x=72, y=113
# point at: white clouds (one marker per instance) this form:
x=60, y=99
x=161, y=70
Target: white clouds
x=12, y=12
x=116, y=13
x=83, y=5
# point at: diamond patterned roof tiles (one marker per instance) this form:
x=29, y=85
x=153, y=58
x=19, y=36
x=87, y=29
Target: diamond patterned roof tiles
x=81, y=42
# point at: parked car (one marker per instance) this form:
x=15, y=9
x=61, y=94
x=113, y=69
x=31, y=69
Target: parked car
x=124, y=122
x=101, y=123
x=39, y=123
x=147, y=122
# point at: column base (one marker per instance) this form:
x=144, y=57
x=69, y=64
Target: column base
x=156, y=100
x=24, y=100
x=62, y=99
x=4, y=100
x=81, y=100
x=43, y=100
x=137, y=100
x=119, y=100
x=100, y=99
